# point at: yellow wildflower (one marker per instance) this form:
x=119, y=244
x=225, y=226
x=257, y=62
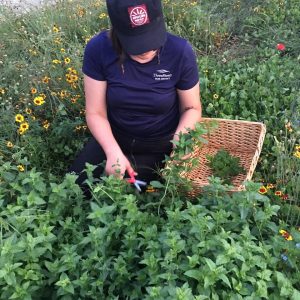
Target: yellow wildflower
x=215, y=96
x=57, y=41
x=38, y=100
x=24, y=126
x=9, y=144
x=297, y=154
x=21, y=168
x=2, y=91
x=67, y=60
x=28, y=111
x=45, y=79
x=19, y=118
x=46, y=124
x=55, y=29
x=102, y=15
x=270, y=186
x=21, y=131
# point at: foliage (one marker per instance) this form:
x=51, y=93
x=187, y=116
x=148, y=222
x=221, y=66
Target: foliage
x=225, y=165
x=57, y=246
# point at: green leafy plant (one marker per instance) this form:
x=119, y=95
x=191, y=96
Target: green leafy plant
x=225, y=166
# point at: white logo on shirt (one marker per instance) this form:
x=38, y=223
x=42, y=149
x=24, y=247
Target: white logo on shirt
x=162, y=75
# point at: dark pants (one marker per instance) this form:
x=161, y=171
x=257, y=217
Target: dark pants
x=145, y=155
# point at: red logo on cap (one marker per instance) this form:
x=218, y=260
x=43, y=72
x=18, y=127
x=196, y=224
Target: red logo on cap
x=138, y=15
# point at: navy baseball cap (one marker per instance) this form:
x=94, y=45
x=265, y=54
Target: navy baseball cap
x=139, y=24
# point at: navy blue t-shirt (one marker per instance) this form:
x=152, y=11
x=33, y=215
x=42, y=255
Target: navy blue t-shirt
x=142, y=101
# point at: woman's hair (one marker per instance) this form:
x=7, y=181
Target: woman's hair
x=118, y=47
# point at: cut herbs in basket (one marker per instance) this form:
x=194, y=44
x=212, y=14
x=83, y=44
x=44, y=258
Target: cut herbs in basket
x=225, y=166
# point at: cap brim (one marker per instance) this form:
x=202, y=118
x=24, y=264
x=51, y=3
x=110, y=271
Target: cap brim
x=146, y=41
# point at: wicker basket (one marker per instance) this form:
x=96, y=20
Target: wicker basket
x=242, y=139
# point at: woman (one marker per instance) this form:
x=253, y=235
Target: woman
x=141, y=88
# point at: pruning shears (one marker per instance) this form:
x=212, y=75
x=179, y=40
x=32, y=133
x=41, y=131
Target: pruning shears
x=135, y=182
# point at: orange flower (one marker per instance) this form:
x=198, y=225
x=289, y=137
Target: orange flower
x=278, y=193
x=45, y=79
x=33, y=91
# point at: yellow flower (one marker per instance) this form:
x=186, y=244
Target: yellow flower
x=63, y=93
x=32, y=52
x=24, y=126
x=38, y=100
x=86, y=40
x=19, y=118
x=55, y=29
x=62, y=50
x=33, y=91
x=72, y=71
x=46, y=79
x=21, y=168
x=46, y=124
x=28, y=111
x=57, y=41
x=9, y=144
x=297, y=154
x=270, y=186
x=103, y=15
x=67, y=60
x=68, y=78
x=278, y=193
x=2, y=91
x=56, y=61
x=21, y=131
x=216, y=96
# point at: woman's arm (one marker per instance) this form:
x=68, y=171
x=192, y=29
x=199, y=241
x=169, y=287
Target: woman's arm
x=96, y=117
x=190, y=109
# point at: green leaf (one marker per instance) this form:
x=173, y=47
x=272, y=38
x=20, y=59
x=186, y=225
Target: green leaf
x=196, y=274
x=222, y=260
x=34, y=199
x=156, y=184
x=211, y=264
x=243, y=212
x=225, y=279
x=296, y=295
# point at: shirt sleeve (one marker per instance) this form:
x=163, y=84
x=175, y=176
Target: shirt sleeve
x=92, y=65
x=189, y=69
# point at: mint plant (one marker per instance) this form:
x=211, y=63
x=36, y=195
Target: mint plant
x=225, y=166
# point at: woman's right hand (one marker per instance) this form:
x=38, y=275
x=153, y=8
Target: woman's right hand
x=117, y=164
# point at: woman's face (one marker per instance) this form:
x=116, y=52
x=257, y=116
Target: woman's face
x=144, y=57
